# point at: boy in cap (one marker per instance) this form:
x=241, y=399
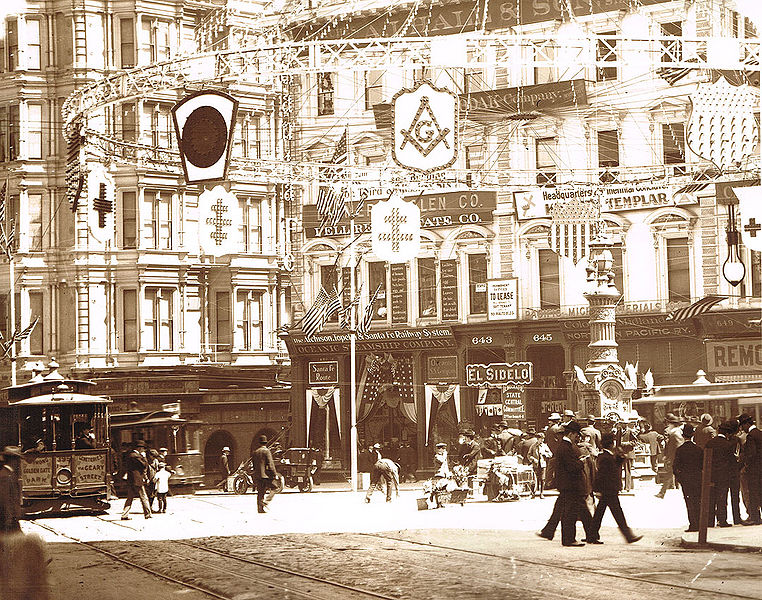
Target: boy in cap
x=161, y=480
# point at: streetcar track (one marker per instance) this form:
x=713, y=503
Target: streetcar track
x=129, y=563
x=537, y=563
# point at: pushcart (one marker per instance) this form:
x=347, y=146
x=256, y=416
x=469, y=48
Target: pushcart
x=504, y=479
x=296, y=468
x=437, y=492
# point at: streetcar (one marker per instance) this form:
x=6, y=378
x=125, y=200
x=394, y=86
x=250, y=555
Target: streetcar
x=160, y=429
x=62, y=431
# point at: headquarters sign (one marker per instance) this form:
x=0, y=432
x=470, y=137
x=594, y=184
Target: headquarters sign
x=425, y=123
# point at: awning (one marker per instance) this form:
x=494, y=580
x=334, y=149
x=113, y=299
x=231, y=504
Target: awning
x=748, y=398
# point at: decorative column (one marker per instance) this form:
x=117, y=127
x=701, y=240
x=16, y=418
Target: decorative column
x=602, y=388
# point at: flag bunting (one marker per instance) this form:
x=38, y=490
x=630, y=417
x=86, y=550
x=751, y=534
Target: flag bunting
x=694, y=310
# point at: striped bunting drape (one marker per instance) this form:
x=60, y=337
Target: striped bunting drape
x=697, y=308
x=571, y=239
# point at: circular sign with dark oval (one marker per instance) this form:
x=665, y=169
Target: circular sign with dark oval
x=205, y=136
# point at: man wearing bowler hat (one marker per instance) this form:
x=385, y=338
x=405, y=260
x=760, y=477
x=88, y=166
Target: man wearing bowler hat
x=673, y=432
x=687, y=468
x=135, y=466
x=752, y=466
x=263, y=474
x=572, y=488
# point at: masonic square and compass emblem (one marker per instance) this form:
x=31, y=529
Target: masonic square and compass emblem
x=425, y=128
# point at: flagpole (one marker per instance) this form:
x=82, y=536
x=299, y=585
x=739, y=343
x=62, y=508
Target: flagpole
x=12, y=328
x=352, y=355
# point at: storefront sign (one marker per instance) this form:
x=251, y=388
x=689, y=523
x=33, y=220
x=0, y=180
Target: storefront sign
x=502, y=299
x=449, y=289
x=442, y=369
x=489, y=410
x=323, y=373
x=535, y=203
x=493, y=374
x=630, y=328
x=508, y=13
x=494, y=105
x=90, y=469
x=442, y=209
x=398, y=273
x=513, y=403
x=551, y=406
x=36, y=472
x=734, y=356
x=384, y=340
x=738, y=324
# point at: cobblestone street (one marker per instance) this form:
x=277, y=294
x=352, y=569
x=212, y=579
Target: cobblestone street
x=484, y=550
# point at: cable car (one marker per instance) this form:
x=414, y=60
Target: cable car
x=62, y=431
x=160, y=429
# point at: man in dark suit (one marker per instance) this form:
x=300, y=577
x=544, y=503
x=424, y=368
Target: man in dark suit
x=10, y=494
x=553, y=436
x=687, y=467
x=654, y=439
x=135, y=466
x=722, y=463
x=607, y=484
x=735, y=471
x=752, y=468
x=570, y=481
x=263, y=473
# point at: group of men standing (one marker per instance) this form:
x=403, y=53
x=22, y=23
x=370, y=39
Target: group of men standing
x=736, y=467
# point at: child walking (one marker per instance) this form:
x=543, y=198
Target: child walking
x=161, y=479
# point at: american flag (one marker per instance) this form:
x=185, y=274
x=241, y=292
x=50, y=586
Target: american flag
x=321, y=310
x=6, y=241
x=341, y=154
x=20, y=336
x=330, y=203
x=364, y=325
x=694, y=310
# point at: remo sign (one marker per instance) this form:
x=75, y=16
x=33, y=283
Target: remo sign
x=425, y=128
x=395, y=230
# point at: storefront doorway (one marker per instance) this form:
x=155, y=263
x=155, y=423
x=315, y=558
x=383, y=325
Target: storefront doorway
x=547, y=392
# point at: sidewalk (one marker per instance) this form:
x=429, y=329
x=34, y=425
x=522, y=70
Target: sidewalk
x=738, y=538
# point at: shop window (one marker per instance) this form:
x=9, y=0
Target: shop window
x=374, y=88
x=606, y=52
x=159, y=326
x=222, y=324
x=34, y=213
x=545, y=156
x=159, y=206
x=249, y=314
x=33, y=44
x=477, y=284
x=427, y=287
x=673, y=136
x=377, y=280
x=325, y=98
x=129, y=320
x=251, y=225
x=678, y=270
x=550, y=290
x=608, y=155
x=329, y=279
x=127, y=43
x=672, y=49
x=37, y=337
x=129, y=220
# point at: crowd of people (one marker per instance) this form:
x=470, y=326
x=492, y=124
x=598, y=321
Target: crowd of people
x=146, y=474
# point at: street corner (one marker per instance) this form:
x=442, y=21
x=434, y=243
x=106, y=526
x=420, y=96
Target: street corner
x=733, y=539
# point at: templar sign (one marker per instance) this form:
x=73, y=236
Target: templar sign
x=395, y=230
x=217, y=212
x=425, y=128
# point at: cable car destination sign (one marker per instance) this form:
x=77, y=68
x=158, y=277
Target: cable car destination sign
x=497, y=374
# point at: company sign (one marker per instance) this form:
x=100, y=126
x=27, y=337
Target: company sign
x=384, y=340
x=734, y=356
x=502, y=299
x=442, y=209
x=324, y=372
x=493, y=105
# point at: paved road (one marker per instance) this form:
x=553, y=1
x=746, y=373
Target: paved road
x=480, y=550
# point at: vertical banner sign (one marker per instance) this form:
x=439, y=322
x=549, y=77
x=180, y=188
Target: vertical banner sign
x=218, y=221
x=398, y=273
x=513, y=403
x=449, y=289
x=502, y=299
x=425, y=128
